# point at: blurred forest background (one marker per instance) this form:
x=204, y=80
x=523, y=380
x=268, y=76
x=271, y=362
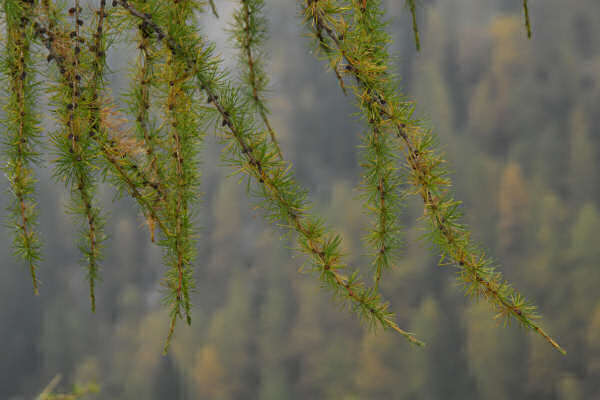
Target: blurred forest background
x=519, y=123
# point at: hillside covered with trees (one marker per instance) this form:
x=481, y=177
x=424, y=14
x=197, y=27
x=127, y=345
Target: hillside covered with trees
x=518, y=121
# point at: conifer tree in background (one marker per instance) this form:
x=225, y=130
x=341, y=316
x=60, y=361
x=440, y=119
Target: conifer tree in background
x=179, y=93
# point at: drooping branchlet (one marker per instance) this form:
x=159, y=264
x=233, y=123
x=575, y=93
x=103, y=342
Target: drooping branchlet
x=21, y=132
x=428, y=176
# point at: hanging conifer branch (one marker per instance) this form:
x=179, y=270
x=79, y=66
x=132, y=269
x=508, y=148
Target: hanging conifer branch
x=213, y=8
x=21, y=133
x=120, y=151
x=76, y=154
x=95, y=85
x=526, y=14
x=119, y=154
x=98, y=51
x=283, y=200
x=117, y=150
x=139, y=105
x=413, y=13
x=428, y=175
x=249, y=33
x=381, y=180
x=380, y=184
x=183, y=120
x=122, y=154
